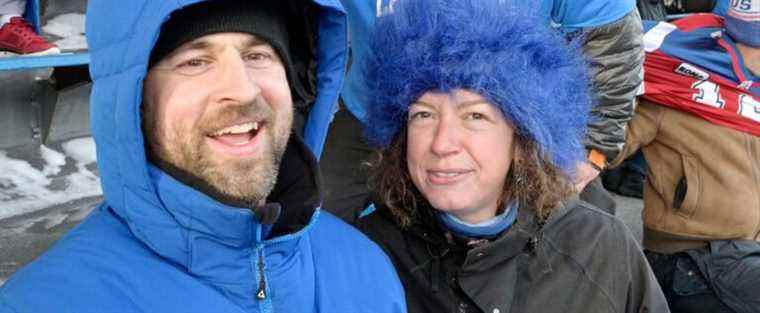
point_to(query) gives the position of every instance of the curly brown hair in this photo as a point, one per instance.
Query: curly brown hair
(532, 180)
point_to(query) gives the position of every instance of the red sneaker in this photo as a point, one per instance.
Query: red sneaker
(18, 36)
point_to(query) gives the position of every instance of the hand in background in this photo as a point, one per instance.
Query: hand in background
(585, 173)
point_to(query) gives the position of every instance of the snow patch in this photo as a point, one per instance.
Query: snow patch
(24, 189)
(54, 220)
(20, 177)
(81, 150)
(72, 43)
(69, 27)
(54, 161)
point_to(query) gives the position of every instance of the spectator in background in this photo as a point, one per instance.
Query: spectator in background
(480, 114)
(628, 178)
(698, 124)
(653, 10)
(17, 36)
(612, 43)
(677, 7)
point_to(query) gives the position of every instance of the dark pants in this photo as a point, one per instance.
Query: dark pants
(628, 178)
(722, 277)
(684, 286)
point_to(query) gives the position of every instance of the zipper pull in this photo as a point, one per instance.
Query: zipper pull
(262, 293)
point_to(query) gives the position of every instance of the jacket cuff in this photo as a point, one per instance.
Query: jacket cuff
(597, 159)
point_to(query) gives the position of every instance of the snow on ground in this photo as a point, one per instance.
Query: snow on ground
(53, 159)
(82, 150)
(25, 188)
(70, 28)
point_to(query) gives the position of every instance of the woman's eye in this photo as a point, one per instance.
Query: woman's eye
(476, 116)
(419, 115)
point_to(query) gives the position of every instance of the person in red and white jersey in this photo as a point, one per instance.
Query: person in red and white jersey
(698, 124)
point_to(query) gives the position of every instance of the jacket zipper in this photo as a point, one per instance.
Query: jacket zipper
(262, 292)
(257, 260)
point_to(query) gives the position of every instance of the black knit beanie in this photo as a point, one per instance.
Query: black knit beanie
(264, 19)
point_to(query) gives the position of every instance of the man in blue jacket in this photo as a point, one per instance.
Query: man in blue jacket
(211, 201)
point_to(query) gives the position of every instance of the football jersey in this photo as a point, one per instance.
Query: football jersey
(691, 66)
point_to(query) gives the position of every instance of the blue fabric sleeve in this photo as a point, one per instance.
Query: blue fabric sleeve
(5, 308)
(721, 7)
(361, 17)
(571, 15)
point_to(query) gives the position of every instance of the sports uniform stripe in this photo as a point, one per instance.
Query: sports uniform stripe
(700, 20)
(654, 37)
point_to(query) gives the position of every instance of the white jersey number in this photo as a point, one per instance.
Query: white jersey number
(749, 108)
(708, 93)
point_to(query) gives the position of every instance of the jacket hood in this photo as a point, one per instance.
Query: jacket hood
(160, 210)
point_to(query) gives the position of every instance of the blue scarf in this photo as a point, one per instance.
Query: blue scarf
(487, 229)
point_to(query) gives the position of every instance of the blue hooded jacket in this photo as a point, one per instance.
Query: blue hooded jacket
(157, 245)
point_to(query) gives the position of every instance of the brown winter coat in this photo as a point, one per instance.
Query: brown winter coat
(703, 180)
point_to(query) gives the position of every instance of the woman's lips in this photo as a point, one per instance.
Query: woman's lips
(447, 176)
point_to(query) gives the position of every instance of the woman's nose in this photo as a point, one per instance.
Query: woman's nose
(446, 138)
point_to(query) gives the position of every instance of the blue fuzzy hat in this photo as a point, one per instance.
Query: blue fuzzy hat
(495, 48)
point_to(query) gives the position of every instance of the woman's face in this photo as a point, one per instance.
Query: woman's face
(459, 149)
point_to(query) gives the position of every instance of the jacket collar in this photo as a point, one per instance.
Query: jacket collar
(204, 235)
(525, 236)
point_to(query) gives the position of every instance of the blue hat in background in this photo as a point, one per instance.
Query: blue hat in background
(496, 48)
(743, 22)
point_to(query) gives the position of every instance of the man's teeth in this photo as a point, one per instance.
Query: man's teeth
(237, 129)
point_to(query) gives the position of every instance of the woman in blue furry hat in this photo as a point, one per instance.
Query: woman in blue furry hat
(478, 111)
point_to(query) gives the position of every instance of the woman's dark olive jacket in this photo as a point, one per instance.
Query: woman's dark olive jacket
(579, 260)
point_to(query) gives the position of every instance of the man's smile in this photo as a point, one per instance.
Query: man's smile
(238, 140)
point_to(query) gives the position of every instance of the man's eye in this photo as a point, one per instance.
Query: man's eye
(193, 63)
(193, 66)
(259, 59)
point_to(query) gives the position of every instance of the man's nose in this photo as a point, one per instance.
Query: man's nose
(446, 140)
(236, 83)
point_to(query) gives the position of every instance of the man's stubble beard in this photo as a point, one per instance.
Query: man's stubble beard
(240, 183)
